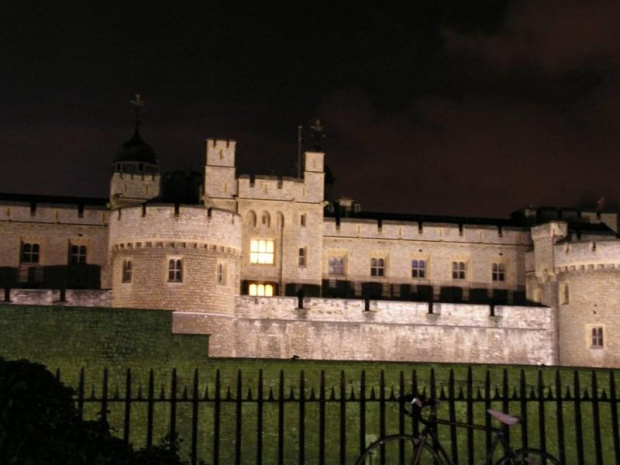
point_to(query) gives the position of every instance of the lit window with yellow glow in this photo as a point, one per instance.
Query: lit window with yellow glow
(261, 290)
(262, 252)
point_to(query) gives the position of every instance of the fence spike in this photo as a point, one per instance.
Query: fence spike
(332, 394)
(352, 396)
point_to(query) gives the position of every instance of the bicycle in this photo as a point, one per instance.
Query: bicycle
(425, 448)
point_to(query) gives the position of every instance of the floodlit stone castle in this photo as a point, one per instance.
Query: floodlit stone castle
(270, 268)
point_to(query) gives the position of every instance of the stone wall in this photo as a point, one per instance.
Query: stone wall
(439, 245)
(73, 298)
(55, 228)
(340, 329)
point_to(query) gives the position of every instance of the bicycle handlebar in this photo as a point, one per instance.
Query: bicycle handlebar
(413, 405)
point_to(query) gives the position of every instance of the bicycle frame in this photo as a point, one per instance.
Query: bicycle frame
(430, 431)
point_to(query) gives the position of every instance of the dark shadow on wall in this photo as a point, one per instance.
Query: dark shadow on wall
(51, 277)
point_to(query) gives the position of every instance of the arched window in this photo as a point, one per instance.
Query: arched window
(261, 290)
(280, 220)
(566, 295)
(251, 218)
(265, 219)
(77, 255)
(302, 220)
(221, 273)
(30, 253)
(597, 337)
(459, 270)
(127, 271)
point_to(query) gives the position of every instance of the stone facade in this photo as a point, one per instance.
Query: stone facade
(539, 288)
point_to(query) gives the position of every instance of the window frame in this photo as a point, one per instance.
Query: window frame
(127, 271)
(30, 253)
(459, 270)
(261, 290)
(303, 257)
(419, 268)
(596, 335)
(377, 267)
(498, 272)
(221, 271)
(78, 254)
(175, 270)
(335, 265)
(261, 257)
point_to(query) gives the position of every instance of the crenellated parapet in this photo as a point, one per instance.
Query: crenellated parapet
(169, 223)
(585, 256)
(423, 231)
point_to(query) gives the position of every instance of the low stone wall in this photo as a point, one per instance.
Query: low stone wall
(73, 298)
(339, 329)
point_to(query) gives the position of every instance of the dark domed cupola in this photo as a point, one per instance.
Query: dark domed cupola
(136, 156)
(135, 171)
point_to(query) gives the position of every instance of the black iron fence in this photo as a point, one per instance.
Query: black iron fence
(571, 414)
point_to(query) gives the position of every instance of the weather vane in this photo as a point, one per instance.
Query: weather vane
(318, 134)
(138, 107)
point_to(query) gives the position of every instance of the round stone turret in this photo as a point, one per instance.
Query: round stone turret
(177, 258)
(588, 279)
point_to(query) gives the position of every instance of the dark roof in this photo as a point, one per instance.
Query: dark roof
(53, 199)
(135, 149)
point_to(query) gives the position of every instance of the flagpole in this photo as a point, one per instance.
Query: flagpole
(299, 151)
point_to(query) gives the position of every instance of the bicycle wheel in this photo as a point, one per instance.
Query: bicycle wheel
(529, 457)
(398, 449)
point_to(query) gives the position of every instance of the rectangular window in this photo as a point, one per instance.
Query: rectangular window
(597, 341)
(302, 257)
(261, 290)
(498, 272)
(302, 220)
(336, 266)
(127, 271)
(77, 255)
(418, 268)
(175, 270)
(377, 267)
(459, 270)
(262, 252)
(30, 253)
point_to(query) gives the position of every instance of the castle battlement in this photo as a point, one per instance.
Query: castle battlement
(170, 223)
(53, 213)
(422, 231)
(583, 256)
(275, 188)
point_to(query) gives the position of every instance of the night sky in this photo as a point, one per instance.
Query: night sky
(472, 108)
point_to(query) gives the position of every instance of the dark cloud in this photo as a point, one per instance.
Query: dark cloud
(548, 37)
(470, 108)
